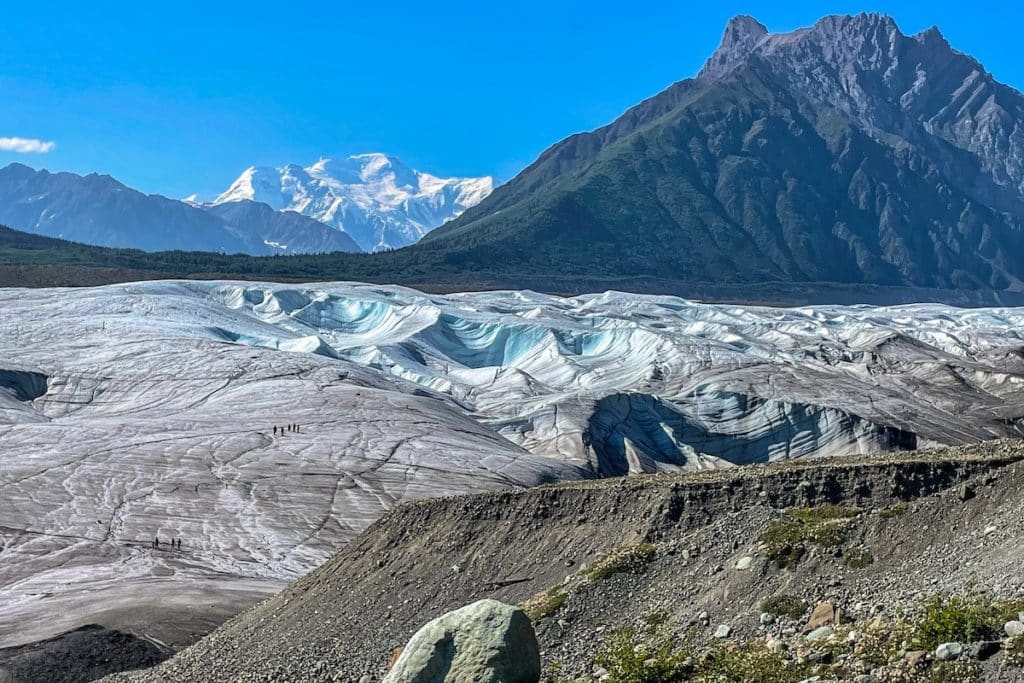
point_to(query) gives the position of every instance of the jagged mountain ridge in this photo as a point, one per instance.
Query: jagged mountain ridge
(97, 209)
(844, 152)
(375, 198)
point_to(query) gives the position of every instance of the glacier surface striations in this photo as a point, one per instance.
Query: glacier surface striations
(148, 410)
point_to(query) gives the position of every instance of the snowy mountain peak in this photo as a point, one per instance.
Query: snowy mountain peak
(375, 198)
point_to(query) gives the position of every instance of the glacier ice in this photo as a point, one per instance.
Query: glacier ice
(141, 410)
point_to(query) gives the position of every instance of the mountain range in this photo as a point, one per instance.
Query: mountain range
(374, 198)
(362, 203)
(97, 209)
(846, 153)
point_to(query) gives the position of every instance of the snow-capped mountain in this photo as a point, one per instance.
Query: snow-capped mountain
(97, 209)
(376, 199)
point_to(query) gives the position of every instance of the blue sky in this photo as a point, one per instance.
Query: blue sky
(180, 98)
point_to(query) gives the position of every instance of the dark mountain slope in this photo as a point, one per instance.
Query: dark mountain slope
(842, 152)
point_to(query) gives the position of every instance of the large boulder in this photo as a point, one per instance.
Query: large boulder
(486, 642)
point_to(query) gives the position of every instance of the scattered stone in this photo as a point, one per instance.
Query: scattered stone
(723, 631)
(819, 633)
(824, 613)
(1014, 628)
(948, 651)
(915, 658)
(487, 641)
(744, 563)
(766, 619)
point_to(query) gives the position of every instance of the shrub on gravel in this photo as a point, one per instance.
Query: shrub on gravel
(858, 558)
(893, 511)
(784, 605)
(750, 663)
(629, 559)
(787, 538)
(629, 657)
(545, 604)
(961, 618)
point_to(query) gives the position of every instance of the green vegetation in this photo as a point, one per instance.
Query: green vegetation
(784, 605)
(954, 672)
(858, 558)
(893, 511)
(749, 663)
(1015, 652)
(629, 657)
(962, 618)
(629, 559)
(787, 538)
(545, 604)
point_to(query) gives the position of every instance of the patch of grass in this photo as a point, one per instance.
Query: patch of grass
(750, 663)
(545, 604)
(629, 559)
(1009, 610)
(893, 511)
(883, 643)
(630, 658)
(784, 605)
(1014, 652)
(787, 538)
(858, 558)
(962, 618)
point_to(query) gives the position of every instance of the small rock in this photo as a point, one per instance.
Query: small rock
(824, 613)
(915, 658)
(948, 651)
(766, 619)
(365, 679)
(723, 631)
(744, 563)
(819, 633)
(1013, 628)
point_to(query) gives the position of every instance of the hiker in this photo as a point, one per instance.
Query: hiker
(179, 544)
(156, 542)
(275, 430)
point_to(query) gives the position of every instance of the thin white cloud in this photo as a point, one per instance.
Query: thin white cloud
(26, 145)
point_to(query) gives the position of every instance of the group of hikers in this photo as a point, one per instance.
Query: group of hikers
(175, 543)
(290, 428)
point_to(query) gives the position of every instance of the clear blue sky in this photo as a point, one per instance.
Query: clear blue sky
(179, 97)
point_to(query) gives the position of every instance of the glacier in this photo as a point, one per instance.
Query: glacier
(134, 411)
(374, 198)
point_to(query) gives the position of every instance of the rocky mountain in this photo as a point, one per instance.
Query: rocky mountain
(375, 198)
(99, 210)
(844, 152)
(286, 232)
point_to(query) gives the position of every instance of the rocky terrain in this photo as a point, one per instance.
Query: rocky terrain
(691, 554)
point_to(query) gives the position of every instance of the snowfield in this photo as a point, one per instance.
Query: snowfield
(134, 411)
